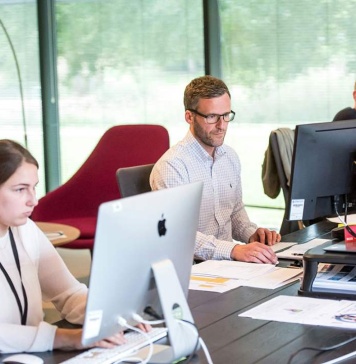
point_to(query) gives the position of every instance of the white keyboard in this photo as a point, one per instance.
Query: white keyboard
(135, 341)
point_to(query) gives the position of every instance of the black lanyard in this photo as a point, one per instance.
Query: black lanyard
(23, 311)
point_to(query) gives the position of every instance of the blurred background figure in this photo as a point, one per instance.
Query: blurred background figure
(349, 113)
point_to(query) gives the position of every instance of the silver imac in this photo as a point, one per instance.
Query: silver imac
(143, 253)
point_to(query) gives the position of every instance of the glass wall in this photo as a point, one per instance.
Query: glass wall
(287, 63)
(123, 62)
(20, 95)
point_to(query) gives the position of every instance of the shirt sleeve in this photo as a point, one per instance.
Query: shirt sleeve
(59, 286)
(15, 338)
(50, 280)
(207, 247)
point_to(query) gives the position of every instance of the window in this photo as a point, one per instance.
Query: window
(287, 63)
(122, 62)
(19, 46)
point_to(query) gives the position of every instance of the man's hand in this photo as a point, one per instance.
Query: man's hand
(265, 236)
(254, 253)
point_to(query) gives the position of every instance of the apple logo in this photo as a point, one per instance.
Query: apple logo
(162, 226)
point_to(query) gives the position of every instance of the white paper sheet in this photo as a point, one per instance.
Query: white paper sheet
(218, 275)
(306, 310)
(231, 269)
(297, 251)
(212, 284)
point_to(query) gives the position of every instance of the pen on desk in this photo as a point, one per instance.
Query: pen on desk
(298, 254)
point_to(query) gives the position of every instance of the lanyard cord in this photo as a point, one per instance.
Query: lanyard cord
(23, 312)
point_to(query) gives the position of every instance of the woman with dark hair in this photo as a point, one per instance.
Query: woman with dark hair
(31, 268)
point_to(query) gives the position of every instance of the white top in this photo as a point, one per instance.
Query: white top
(222, 215)
(45, 276)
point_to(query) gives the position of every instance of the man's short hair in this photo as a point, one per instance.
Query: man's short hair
(355, 86)
(205, 87)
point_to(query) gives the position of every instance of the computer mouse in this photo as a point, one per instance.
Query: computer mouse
(23, 359)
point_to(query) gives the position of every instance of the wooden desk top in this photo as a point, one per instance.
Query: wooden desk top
(59, 234)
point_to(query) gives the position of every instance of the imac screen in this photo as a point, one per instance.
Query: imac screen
(132, 235)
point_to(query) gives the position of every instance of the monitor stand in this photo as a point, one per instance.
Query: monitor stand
(311, 260)
(182, 338)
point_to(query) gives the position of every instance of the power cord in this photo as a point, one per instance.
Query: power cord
(123, 322)
(193, 327)
(189, 324)
(150, 311)
(141, 320)
(343, 221)
(341, 358)
(321, 349)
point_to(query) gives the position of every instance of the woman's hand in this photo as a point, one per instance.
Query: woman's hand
(71, 339)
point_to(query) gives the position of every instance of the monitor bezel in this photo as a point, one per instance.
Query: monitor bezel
(322, 168)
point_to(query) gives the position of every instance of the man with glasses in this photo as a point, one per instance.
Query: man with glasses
(202, 156)
(349, 113)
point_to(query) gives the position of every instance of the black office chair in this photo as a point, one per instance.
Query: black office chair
(134, 180)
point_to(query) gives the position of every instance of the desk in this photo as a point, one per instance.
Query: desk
(70, 233)
(233, 339)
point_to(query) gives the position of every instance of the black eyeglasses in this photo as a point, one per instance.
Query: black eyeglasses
(214, 118)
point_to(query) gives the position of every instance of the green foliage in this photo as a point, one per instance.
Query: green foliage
(258, 36)
(278, 39)
(119, 34)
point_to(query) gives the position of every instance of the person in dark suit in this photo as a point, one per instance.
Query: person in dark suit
(349, 113)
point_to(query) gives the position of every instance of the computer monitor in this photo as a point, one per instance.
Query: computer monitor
(323, 170)
(136, 241)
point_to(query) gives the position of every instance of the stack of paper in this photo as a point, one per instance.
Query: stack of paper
(306, 310)
(223, 275)
(296, 251)
(336, 278)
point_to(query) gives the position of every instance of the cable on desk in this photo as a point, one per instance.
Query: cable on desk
(321, 349)
(141, 320)
(189, 324)
(192, 326)
(124, 323)
(343, 221)
(341, 358)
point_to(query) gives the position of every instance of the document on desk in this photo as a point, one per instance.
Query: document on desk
(212, 284)
(231, 269)
(296, 251)
(306, 310)
(235, 274)
(336, 278)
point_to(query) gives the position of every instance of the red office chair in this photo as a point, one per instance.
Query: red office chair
(76, 202)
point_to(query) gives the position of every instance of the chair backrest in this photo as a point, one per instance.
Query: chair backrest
(134, 180)
(95, 181)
